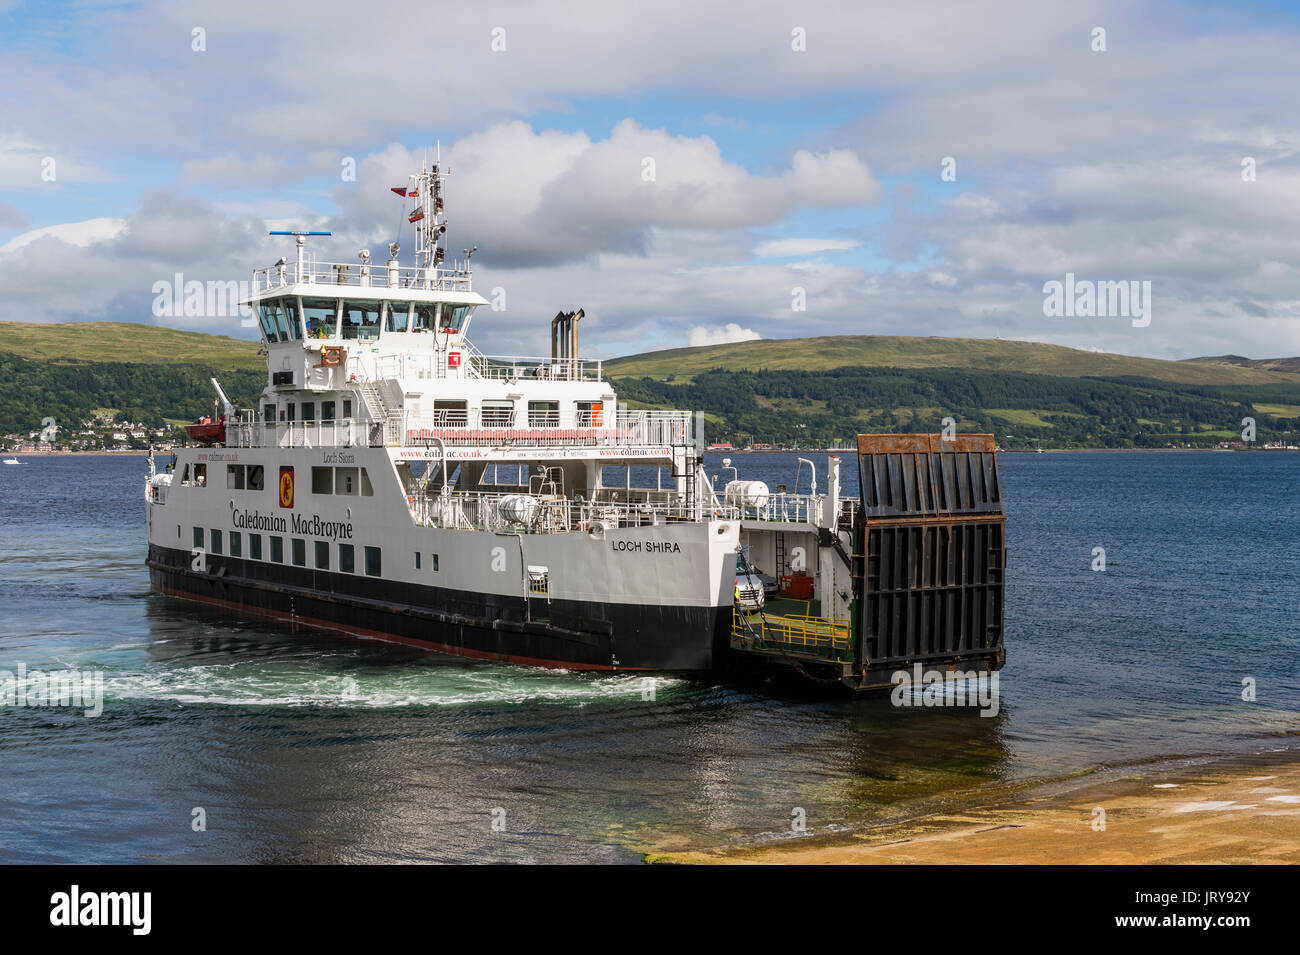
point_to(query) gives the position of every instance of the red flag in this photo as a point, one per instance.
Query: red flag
(400, 190)
(415, 216)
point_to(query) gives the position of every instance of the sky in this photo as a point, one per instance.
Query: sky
(685, 172)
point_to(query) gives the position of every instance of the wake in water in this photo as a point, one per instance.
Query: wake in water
(259, 683)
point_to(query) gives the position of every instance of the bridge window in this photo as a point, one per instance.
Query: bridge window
(292, 317)
(397, 315)
(454, 317)
(361, 320)
(327, 411)
(426, 318)
(266, 312)
(322, 317)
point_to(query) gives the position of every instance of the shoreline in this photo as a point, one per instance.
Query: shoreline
(1190, 810)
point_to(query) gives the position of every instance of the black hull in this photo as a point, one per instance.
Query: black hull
(560, 633)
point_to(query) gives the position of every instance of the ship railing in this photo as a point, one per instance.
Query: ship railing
(356, 275)
(345, 433)
(788, 508)
(804, 633)
(519, 512)
(483, 428)
(552, 429)
(517, 368)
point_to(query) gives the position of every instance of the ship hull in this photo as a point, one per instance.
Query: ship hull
(567, 634)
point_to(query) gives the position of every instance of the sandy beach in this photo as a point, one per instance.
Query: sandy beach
(1236, 811)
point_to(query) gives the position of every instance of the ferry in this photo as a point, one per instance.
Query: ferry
(394, 482)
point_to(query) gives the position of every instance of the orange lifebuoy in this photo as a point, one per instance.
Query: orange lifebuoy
(331, 355)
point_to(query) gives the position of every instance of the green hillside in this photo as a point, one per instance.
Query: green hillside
(822, 391)
(83, 342)
(143, 373)
(889, 351)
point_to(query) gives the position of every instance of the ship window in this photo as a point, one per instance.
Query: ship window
(256, 477)
(235, 477)
(591, 414)
(291, 316)
(277, 549)
(268, 414)
(347, 408)
(417, 560)
(361, 320)
(198, 537)
(435, 563)
(322, 555)
(498, 414)
(454, 317)
(266, 311)
(345, 481)
(321, 315)
(236, 544)
(327, 411)
(293, 411)
(374, 566)
(299, 552)
(543, 414)
(309, 411)
(201, 475)
(450, 414)
(426, 318)
(281, 325)
(347, 559)
(322, 480)
(255, 546)
(367, 490)
(178, 532)
(397, 315)
(216, 541)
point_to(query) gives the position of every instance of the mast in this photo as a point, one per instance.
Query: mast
(429, 216)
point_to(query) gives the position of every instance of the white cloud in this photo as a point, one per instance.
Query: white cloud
(731, 332)
(784, 248)
(79, 234)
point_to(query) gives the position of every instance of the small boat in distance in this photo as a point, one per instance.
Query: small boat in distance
(12, 461)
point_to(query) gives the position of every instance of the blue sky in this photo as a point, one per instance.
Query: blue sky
(776, 169)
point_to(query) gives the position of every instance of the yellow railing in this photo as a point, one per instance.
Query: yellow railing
(793, 630)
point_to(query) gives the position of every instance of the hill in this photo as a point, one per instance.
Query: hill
(820, 391)
(90, 342)
(145, 373)
(1289, 365)
(889, 351)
